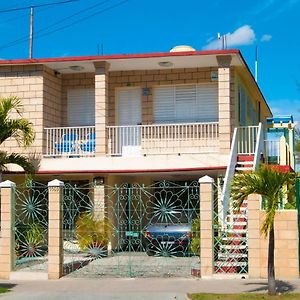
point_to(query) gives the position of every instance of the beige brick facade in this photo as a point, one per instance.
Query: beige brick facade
(151, 79)
(206, 226)
(43, 92)
(286, 242)
(7, 241)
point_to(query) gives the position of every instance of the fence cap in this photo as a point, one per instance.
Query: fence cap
(7, 184)
(206, 179)
(55, 183)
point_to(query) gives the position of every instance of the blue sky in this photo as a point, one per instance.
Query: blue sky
(140, 26)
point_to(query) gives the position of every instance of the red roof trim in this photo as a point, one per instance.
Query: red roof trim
(132, 171)
(116, 56)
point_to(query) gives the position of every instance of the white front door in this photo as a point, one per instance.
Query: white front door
(129, 116)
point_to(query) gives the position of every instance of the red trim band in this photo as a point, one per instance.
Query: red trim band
(115, 56)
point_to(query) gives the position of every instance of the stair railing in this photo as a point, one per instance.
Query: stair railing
(259, 147)
(246, 141)
(229, 175)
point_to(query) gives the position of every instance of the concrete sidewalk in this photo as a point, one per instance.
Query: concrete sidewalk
(134, 289)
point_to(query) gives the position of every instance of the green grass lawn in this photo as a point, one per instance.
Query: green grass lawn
(289, 296)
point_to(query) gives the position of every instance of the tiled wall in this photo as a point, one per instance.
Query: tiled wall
(150, 79)
(74, 81)
(25, 82)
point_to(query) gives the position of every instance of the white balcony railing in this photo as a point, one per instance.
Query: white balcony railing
(70, 141)
(163, 139)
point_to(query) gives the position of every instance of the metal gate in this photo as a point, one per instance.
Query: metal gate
(131, 230)
(230, 230)
(31, 227)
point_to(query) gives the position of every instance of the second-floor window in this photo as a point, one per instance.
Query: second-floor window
(186, 103)
(81, 107)
(242, 106)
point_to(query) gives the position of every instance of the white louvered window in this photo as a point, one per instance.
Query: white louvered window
(129, 106)
(186, 103)
(81, 107)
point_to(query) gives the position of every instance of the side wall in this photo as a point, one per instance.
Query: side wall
(253, 98)
(26, 83)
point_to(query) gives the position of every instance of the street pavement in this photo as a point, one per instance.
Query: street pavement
(134, 289)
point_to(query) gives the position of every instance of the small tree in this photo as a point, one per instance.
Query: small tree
(268, 183)
(16, 128)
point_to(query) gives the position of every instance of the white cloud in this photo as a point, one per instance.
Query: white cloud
(266, 38)
(241, 36)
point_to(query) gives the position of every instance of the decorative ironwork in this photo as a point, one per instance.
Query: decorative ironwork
(31, 226)
(230, 237)
(131, 230)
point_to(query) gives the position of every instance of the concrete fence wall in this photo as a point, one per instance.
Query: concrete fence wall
(286, 234)
(286, 242)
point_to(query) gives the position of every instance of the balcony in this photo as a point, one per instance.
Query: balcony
(137, 140)
(186, 138)
(70, 141)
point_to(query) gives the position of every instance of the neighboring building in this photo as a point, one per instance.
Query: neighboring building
(142, 117)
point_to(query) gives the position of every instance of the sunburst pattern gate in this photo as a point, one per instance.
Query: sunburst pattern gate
(131, 230)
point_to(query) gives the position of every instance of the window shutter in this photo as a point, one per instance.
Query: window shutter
(242, 106)
(207, 103)
(129, 106)
(81, 107)
(164, 104)
(186, 103)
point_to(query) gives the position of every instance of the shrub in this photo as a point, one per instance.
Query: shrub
(195, 244)
(91, 232)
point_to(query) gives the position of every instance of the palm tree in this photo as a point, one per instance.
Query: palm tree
(268, 183)
(13, 125)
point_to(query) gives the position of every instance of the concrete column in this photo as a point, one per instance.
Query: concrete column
(7, 239)
(55, 230)
(225, 109)
(99, 202)
(101, 107)
(254, 264)
(283, 159)
(206, 226)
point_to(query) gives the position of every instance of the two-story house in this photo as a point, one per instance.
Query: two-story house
(137, 117)
(109, 122)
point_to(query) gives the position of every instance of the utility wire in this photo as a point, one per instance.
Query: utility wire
(71, 16)
(25, 38)
(37, 35)
(34, 6)
(84, 18)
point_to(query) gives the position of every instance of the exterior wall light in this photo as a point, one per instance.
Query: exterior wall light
(76, 68)
(98, 180)
(165, 64)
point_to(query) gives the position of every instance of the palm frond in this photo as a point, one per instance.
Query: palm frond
(9, 105)
(19, 129)
(267, 182)
(17, 159)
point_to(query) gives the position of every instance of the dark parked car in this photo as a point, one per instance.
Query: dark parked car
(168, 239)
